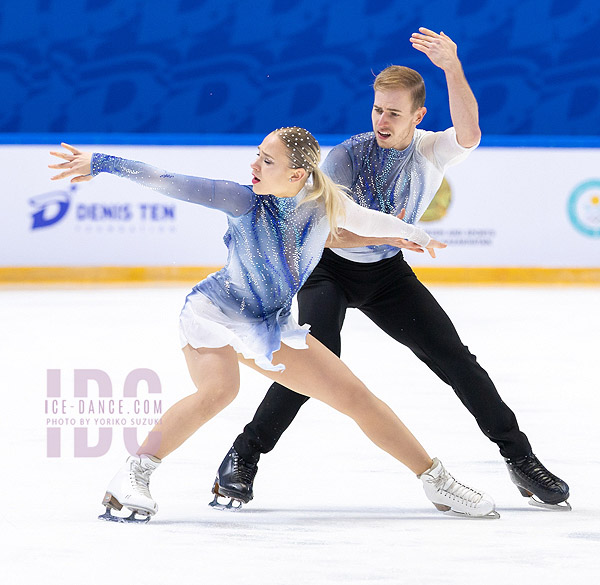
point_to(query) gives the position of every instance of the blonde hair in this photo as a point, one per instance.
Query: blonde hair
(400, 77)
(304, 153)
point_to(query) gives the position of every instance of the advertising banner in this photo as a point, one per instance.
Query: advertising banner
(518, 207)
(502, 207)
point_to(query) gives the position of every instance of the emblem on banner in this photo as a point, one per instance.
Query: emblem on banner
(50, 208)
(439, 204)
(584, 208)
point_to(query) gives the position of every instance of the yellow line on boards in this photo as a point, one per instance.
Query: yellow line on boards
(153, 275)
(92, 275)
(501, 276)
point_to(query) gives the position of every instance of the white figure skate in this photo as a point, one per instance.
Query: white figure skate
(455, 498)
(129, 489)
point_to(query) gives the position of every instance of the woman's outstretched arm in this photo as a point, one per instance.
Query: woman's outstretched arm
(227, 196)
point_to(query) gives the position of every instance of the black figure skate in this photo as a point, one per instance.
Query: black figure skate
(235, 479)
(535, 482)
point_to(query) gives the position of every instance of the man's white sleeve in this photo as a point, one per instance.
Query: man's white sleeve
(442, 148)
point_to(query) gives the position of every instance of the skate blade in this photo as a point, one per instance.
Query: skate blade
(560, 507)
(131, 519)
(448, 511)
(232, 506)
(493, 515)
(112, 503)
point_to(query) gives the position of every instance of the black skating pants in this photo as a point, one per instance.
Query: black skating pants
(390, 294)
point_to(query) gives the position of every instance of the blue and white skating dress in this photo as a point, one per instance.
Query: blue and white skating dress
(273, 243)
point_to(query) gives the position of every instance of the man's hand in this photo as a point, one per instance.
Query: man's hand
(440, 48)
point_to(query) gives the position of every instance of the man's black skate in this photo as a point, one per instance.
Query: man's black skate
(535, 482)
(235, 479)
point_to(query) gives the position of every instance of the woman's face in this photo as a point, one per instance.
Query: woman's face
(271, 172)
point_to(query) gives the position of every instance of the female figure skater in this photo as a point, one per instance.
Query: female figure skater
(276, 234)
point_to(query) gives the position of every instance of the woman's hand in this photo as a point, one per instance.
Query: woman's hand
(433, 244)
(346, 239)
(77, 163)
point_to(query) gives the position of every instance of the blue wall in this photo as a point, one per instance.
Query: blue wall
(227, 66)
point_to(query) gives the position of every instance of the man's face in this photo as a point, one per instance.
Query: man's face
(394, 120)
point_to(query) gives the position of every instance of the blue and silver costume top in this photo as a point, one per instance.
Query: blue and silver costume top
(273, 246)
(390, 180)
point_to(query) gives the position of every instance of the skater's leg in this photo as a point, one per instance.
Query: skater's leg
(321, 304)
(215, 373)
(410, 314)
(419, 322)
(273, 416)
(318, 373)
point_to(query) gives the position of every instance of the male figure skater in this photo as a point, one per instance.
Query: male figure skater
(396, 168)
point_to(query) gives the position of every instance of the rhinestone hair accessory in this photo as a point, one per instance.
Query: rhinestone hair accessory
(303, 149)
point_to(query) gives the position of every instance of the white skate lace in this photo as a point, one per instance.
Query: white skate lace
(446, 483)
(140, 479)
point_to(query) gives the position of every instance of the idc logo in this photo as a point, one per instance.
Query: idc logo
(93, 419)
(50, 208)
(584, 208)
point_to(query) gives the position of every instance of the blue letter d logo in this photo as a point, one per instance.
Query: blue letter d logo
(49, 208)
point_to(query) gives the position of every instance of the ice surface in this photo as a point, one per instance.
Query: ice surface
(329, 507)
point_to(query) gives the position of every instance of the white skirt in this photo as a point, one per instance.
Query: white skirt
(203, 324)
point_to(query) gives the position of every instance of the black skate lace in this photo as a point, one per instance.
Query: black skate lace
(242, 470)
(536, 472)
(446, 483)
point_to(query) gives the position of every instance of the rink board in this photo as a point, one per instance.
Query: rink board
(529, 214)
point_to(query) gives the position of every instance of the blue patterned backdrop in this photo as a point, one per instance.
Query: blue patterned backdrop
(227, 66)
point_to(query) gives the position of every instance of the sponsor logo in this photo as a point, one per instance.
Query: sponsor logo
(439, 204)
(50, 208)
(437, 210)
(583, 208)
